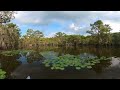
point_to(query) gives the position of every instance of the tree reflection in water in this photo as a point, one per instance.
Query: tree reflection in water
(9, 64)
(30, 57)
(35, 57)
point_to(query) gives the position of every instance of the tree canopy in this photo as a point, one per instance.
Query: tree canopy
(100, 32)
(6, 16)
(10, 36)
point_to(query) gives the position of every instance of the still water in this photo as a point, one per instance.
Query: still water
(21, 66)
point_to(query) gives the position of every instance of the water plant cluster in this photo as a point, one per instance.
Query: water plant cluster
(61, 62)
(2, 74)
(15, 52)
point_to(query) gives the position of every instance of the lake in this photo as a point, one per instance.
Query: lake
(21, 66)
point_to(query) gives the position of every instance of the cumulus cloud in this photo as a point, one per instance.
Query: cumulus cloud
(46, 17)
(73, 27)
(114, 25)
(42, 17)
(80, 19)
(76, 29)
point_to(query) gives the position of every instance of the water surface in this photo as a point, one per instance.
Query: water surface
(21, 66)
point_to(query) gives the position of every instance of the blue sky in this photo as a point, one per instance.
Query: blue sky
(69, 22)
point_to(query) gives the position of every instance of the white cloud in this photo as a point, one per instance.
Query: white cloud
(78, 19)
(114, 25)
(73, 27)
(44, 17)
(77, 29)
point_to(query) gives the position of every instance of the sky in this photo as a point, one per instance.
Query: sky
(69, 22)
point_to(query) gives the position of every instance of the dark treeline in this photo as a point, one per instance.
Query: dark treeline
(10, 38)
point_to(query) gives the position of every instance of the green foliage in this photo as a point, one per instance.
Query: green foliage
(10, 53)
(9, 36)
(73, 39)
(60, 34)
(6, 16)
(116, 38)
(34, 33)
(2, 74)
(15, 52)
(100, 33)
(31, 39)
(60, 37)
(64, 61)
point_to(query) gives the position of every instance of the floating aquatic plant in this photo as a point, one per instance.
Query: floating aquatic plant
(64, 61)
(15, 52)
(2, 74)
